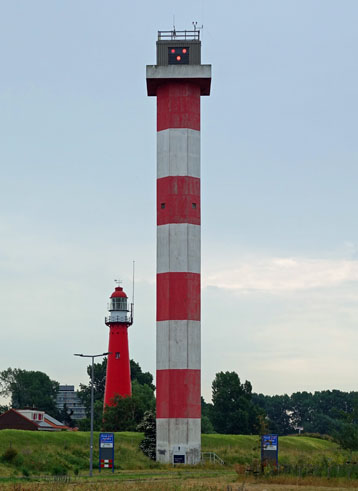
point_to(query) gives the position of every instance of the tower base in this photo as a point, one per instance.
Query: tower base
(178, 440)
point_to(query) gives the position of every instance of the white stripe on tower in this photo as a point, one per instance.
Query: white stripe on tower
(178, 153)
(178, 248)
(178, 271)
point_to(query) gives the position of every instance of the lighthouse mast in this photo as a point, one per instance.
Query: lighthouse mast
(178, 80)
(120, 317)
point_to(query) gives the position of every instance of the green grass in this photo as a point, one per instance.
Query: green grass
(65, 452)
(40, 453)
(293, 450)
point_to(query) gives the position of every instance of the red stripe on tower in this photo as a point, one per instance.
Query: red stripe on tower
(178, 83)
(178, 106)
(178, 296)
(179, 396)
(178, 200)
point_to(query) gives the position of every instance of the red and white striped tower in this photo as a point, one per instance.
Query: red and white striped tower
(118, 376)
(178, 80)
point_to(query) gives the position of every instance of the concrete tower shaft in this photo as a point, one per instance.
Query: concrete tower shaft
(178, 89)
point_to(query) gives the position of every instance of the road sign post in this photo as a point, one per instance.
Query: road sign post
(269, 450)
(106, 451)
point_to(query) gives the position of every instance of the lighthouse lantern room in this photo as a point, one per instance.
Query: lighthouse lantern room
(118, 308)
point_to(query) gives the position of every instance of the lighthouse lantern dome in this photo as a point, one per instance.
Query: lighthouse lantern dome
(119, 309)
(118, 300)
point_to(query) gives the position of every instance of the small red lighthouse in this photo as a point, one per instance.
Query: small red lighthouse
(118, 377)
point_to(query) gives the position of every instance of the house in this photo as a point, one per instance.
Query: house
(30, 419)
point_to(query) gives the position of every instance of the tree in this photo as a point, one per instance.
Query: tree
(3, 409)
(148, 427)
(29, 389)
(206, 417)
(128, 412)
(85, 424)
(303, 407)
(324, 412)
(206, 425)
(233, 410)
(143, 378)
(65, 416)
(99, 377)
(323, 424)
(278, 410)
(347, 437)
(99, 384)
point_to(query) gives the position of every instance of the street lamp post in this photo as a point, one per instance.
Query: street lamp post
(92, 383)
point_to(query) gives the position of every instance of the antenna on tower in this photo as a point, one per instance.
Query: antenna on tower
(196, 28)
(132, 304)
(174, 33)
(133, 282)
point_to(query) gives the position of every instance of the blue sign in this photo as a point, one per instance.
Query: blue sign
(106, 440)
(270, 442)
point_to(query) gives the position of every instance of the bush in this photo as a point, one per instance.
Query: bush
(321, 436)
(9, 455)
(206, 425)
(58, 470)
(148, 426)
(347, 438)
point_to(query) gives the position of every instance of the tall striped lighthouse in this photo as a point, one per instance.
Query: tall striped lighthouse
(178, 80)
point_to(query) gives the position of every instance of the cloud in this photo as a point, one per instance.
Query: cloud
(286, 324)
(279, 274)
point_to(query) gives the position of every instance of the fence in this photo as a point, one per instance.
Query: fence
(211, 457)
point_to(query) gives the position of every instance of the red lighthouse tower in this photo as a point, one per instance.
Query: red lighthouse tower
(118, 377)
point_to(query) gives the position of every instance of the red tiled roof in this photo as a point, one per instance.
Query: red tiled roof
(12, 419)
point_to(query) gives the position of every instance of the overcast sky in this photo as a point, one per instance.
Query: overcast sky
(279, 185)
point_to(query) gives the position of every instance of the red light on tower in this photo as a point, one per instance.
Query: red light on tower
(178, 55)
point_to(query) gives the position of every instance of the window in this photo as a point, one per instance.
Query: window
(118, 303)
(162, 206)
(117, 355)
(193, 205)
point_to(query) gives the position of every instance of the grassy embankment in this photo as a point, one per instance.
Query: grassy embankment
(41, 453)
(293, 450)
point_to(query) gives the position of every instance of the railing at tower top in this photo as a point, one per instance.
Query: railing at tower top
(125, 316)
(177, 35)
